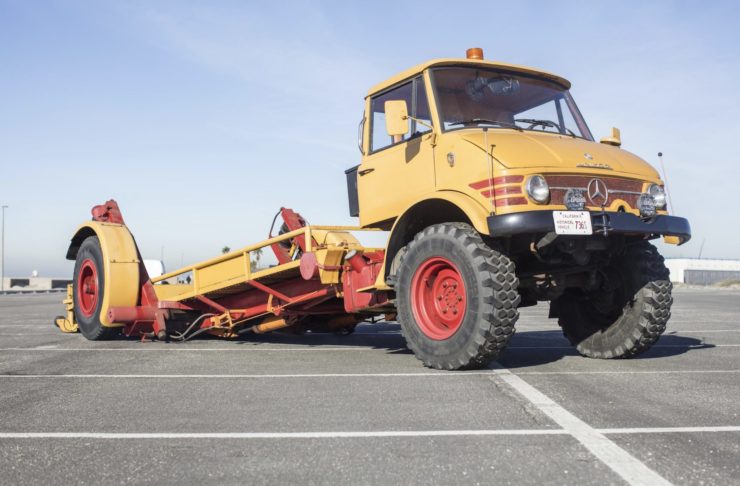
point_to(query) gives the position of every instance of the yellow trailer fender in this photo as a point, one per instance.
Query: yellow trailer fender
(120, 264)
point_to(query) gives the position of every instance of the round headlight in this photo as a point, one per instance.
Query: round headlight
(538, 190)
(658, 194)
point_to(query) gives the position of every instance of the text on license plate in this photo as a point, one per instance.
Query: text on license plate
(572, 222)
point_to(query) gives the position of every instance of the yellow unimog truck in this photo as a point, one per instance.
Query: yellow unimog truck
(495, 195)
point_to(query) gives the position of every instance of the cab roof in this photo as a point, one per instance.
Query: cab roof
(416, 70)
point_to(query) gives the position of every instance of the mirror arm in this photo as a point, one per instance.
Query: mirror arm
(428, 125)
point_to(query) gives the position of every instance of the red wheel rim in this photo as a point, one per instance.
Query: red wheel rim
(438, 298)
(87, 288)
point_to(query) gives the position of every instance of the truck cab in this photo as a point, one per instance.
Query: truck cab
(501, 155)
(509, 138)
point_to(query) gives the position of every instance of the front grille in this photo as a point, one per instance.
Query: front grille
(627, 190)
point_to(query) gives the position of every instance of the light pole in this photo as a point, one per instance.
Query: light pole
(2, 249)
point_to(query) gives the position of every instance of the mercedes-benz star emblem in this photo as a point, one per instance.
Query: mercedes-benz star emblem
(597, 192)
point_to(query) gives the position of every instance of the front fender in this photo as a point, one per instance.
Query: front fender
(120, 264)
(477, 214)
(428, 209)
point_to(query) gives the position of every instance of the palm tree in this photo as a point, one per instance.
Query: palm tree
(257, 255)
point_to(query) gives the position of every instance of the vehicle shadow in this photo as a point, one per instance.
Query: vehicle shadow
(526, 348)
(381, 335)
(532, 348)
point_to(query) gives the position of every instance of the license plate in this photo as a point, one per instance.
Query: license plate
(572, 222)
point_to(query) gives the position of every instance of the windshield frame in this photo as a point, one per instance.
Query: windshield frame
(566, 97)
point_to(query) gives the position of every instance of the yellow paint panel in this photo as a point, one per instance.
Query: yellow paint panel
(329, 258)
(219, 275)
(336, 238)
(172, 291)
(671, 240)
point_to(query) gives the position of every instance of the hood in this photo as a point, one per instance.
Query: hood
(520, 150)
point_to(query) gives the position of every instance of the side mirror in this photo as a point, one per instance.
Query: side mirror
(396, 118)
(615, 139)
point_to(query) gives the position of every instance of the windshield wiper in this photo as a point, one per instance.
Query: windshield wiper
(545, 123)
(486, 121)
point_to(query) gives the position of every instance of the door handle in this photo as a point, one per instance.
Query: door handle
(366, 171)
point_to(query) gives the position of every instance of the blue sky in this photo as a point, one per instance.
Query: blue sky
(203, 118)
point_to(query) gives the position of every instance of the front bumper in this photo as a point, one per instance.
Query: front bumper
(603, 223)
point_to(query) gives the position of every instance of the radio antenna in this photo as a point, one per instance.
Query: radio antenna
(665, 178)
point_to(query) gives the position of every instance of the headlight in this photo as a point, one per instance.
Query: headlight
(538, 190)
(658, 194)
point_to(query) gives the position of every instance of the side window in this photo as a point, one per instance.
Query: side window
(421, 109)
(379, 138)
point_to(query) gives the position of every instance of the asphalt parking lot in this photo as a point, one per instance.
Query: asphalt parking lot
(362, 410)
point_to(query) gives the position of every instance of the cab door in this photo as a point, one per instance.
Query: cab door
(395, 172)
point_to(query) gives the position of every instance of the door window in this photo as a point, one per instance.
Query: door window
(380, 138)
(415, 96)
(420, 109)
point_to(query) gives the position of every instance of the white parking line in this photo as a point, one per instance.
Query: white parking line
(625, 372)
(686, 346)
(672, 430)
(51, 332)
(446, 374)
(620, 461)
(700, 320)
(273, 435)
(185, 348)
(699, 331)
(28, 334)
(351, 434)
(236, 348)
(252, 376)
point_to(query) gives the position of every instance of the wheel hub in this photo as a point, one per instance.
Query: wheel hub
(438, 298)
(87, 285)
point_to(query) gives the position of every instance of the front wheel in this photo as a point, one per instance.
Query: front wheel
(456, 297)
(628, 315)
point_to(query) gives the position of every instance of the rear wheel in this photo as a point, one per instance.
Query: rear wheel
(456, 298)
(626, 317)
(88, 291)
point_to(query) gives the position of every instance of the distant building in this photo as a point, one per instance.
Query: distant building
(702, 271)
(35, 283)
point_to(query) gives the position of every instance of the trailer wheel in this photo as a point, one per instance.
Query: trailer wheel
(456, 297)
(88, 291)
(626, 320)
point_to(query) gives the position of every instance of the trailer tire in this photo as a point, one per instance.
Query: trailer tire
(628, 321)
(456, 297)
(88, 291)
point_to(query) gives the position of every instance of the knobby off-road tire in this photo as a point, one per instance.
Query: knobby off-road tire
(88, 291)
(456, 298)
(628, 320)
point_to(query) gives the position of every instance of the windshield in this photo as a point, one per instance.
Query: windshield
(481, 97)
